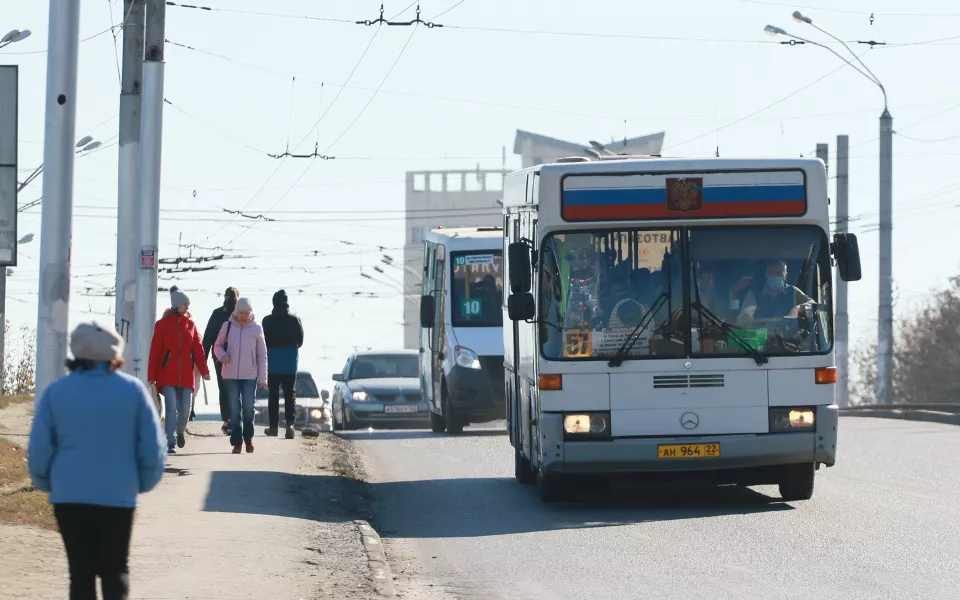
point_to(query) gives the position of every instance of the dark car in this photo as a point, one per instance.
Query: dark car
(379, 388)
(310, 403)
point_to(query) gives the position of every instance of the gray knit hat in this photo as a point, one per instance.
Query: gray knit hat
(244, 304)
(96, 341)
(177, 297)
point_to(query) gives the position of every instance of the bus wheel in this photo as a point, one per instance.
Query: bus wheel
(454, 425)
(551, 487)
(437, 425)
(796, 482)
(521, 465)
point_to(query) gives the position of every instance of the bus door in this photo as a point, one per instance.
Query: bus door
(439, 333)
(426, 333)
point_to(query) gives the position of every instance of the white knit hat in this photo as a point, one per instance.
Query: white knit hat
(244, 304)
(95, 341)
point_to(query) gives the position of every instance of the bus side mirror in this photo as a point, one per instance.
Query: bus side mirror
(846, 251)
(518, 260)
(521, 307)
(428, 311)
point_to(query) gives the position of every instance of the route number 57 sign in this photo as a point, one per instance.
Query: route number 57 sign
(577, 344)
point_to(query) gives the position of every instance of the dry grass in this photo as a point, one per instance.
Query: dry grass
(6, 401)
(28, 507)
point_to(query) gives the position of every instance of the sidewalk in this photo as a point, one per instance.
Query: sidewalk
(278, 523)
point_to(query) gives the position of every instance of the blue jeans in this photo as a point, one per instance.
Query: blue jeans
(240, 393)
(177, 403)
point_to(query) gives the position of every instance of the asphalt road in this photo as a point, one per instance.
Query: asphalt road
(883, 523)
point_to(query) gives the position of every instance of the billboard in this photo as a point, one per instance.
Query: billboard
(8, 166)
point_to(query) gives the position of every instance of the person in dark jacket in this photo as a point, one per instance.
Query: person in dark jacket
(214, 325)
(284, 336)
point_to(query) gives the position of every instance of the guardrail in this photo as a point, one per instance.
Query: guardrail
(936, 412)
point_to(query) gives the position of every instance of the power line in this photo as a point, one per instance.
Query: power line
(849, 12)
(448, 10)
(315, 126)
(760, 110)
(512, 106)
(348, 128)
(256, 13)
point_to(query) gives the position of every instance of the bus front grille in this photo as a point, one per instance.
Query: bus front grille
(661, 382)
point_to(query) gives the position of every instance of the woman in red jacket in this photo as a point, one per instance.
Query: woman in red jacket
(174, 352)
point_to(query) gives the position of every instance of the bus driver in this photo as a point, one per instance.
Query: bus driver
(776, 299)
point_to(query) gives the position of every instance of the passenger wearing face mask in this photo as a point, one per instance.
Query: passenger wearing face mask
(776, 299)
(220, 316)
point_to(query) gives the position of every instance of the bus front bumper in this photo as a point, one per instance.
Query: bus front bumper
(737, 452)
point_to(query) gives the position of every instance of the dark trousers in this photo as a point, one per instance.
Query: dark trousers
(274, 383)
(97, 541)
(224, 397)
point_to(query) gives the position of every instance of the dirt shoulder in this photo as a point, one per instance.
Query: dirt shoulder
(292, 515)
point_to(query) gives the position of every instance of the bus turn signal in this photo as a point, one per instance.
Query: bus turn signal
(551, 382)
(826, 375)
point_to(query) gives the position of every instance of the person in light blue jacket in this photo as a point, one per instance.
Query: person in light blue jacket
(95, 445)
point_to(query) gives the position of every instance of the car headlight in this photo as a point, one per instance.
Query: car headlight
(792, 419)
(467, 358)
(586, 425)
(316, 413)
(359, 396)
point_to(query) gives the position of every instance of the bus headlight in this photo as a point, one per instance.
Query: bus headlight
(792, 419)
(586, 425)
(467, 358)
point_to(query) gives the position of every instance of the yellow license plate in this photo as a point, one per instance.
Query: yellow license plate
(688, 451)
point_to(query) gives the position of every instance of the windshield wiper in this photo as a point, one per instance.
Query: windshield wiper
(645, 321)
(761, 359)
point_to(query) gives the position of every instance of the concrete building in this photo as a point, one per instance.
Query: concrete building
(442, 199)
(464, 198)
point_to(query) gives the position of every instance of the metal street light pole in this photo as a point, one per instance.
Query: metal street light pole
(885, 300)
(56, 229)
(128, 196)
(148, 230)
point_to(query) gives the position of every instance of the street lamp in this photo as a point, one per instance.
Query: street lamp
(13, 37)
(85, 144)
(885, 305)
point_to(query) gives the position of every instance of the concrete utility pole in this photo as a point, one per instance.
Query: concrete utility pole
(128, 174)
(9, 95)
(148, 230)
(842, 325)
(56, 229)
(885, 307)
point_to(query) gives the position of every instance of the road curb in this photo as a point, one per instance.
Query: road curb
(377, 566)
(928, 416)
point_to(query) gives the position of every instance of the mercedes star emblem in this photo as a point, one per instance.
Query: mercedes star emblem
(689, 420)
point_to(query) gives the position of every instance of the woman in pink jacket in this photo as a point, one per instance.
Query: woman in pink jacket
(241, 350)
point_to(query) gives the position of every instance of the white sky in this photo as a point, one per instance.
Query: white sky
(717, 68)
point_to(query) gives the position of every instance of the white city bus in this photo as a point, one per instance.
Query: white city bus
(461, 327)
(671, 317)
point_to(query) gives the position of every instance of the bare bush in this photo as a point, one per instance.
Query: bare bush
(926, 356)
(19, 362)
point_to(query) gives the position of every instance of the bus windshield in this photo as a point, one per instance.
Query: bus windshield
(476, 288)
(770, 286)
(749, 290)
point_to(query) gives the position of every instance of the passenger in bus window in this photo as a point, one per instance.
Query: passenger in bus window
(775, 299)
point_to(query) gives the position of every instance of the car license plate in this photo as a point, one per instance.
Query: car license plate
(688, 451)
(401, 408)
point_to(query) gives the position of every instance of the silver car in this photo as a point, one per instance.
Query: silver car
(379, 388)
